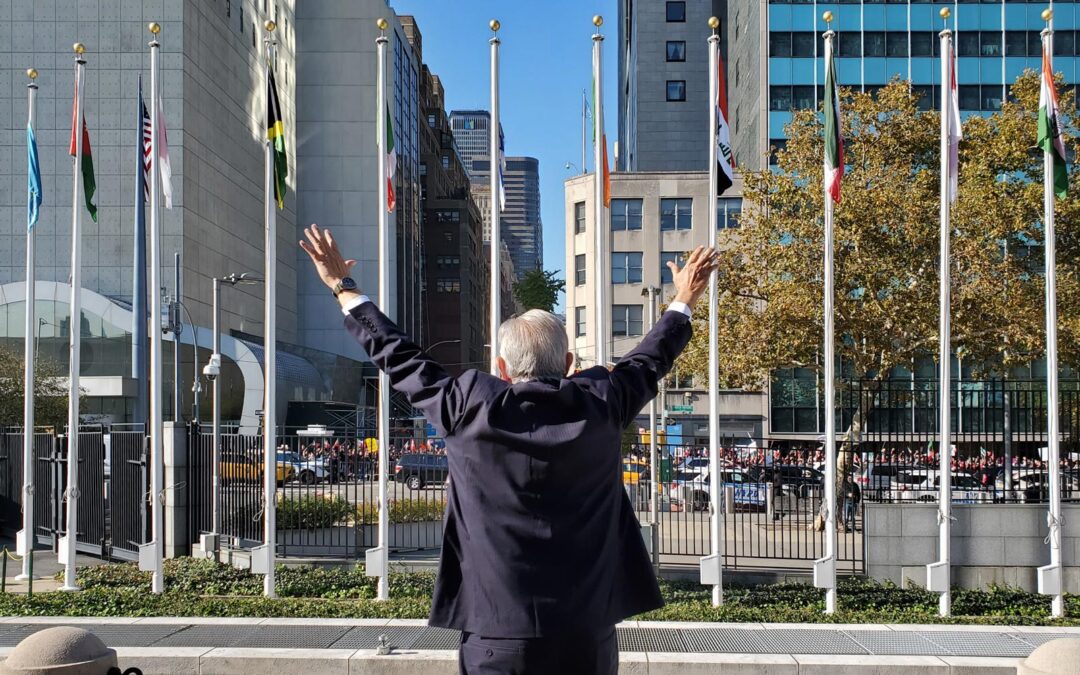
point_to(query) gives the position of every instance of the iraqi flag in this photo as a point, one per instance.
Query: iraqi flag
(1050, 128)
(725, 159)
(834, 143)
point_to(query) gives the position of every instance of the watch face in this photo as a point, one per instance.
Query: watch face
(348, 284)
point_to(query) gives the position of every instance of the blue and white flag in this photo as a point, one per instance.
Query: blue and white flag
(33, 202)
(502, 167)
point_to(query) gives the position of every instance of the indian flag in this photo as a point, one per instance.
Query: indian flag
(391, 162)
(1049, 129)
(834, 144)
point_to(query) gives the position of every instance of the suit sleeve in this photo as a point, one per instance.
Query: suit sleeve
(427, 385)
(635, 378)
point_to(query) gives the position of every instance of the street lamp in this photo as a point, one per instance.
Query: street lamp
(431, 348)
(212, 371)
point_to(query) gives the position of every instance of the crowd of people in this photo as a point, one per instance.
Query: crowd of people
(355, 459)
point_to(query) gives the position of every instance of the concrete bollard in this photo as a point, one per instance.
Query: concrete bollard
(62, 650)
(1057, 657)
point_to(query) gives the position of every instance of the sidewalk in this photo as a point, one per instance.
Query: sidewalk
(306, 646)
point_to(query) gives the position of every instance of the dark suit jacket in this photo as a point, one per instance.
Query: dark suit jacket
(540, 536)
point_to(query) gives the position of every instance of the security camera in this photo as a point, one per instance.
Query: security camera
(212, 369)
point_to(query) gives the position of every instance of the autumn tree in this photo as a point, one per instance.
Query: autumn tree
(886, 248)
(538, 289)
(50, 392)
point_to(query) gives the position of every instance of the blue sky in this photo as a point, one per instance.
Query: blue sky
(545, 62)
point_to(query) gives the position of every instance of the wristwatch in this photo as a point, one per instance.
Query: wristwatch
(346, 284)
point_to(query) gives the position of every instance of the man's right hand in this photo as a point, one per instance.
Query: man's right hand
(692, 280)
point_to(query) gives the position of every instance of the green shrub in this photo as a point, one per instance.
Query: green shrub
(402, 511)
(312, 512)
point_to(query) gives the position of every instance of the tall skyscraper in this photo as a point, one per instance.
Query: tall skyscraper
(522, 229)
(472, 134)
(664, 84)
(995, 41)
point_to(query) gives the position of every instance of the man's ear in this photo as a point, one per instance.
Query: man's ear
(569, 362)
(500, 363)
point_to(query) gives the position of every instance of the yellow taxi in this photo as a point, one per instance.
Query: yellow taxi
(242, 466)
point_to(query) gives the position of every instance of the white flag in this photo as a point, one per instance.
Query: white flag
(163, 157)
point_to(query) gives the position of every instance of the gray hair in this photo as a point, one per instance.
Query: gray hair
(534, 346)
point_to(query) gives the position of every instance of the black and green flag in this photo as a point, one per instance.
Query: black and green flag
(275, 132)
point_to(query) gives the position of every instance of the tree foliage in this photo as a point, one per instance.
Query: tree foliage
(50, 392)
(538, 289)
(887, 245)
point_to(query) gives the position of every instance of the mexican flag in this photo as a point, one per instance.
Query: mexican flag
(1049, 128)
(834, 144)
(391, 162)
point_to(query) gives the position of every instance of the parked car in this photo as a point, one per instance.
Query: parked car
(800, 481)
(698, 465)
(417, 470)
(876, 480)
(1032, 486)
(692, 489)
(240, 465)
(307, 471)
(924, 485)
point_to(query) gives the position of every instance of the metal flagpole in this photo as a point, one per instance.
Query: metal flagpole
(156, 549)
(139, 338)
(602, 259)
(24, 541)
(377, 559)
(1054, 520)
(825, 568)
(270, 346)
(215, 451)
(938, 574)
(584, 136)
(174, 306)
(494, 165)
(67, 542)
(653, 293)
(716, 529)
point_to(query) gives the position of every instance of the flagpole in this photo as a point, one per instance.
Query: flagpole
(938, 574)
(378, 559)
(270, 345)
(67, 542)
(25, 539)
(602, 259)
(157, 418)
(1052, 413)
(716, 516)
(495, 165)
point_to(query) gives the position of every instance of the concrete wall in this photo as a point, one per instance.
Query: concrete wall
(991, 544)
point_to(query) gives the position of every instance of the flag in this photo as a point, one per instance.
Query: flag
(163, 156)
(1049, 128)
(598, 132)
(725, 160)
(956, 133)
(147, 146)
(275, 133)
(502, 167)
(89, 185)
(391, 162)
(834, 144)
(33, 202)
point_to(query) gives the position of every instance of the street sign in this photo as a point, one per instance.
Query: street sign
(681, 409)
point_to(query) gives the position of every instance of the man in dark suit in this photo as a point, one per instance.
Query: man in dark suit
(542, 554)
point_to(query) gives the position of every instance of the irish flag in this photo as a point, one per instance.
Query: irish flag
(1049, 129)
(391, 162)
(834, 144)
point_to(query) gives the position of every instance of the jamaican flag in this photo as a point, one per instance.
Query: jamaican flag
(275, 132)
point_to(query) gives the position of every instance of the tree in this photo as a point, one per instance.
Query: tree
(50, 392)
(886, 249)
(538, 289)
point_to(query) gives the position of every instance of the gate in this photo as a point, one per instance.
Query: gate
(128, 488)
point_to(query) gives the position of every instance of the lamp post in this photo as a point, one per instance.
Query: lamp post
(212, 370)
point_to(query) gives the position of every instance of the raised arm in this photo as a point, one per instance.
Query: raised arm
(635, 377)
(411, 371)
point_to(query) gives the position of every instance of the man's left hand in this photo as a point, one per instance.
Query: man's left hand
(321, 247)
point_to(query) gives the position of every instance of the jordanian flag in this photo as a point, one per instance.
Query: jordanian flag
(724, 157)
(89, 184)
(1050, 129)
(275, 133)
(834, 144)
(391, 161)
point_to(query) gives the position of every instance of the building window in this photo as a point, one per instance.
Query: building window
(579, 270)
(445, 261)
(625, 214)
(874, 43)
(728, 210)
(675, 214)
(431, 121)
(446, 161)
(676, 12)
(676, 50)
(579, 217)
(626, 267)
(780, 98)
(665, 271)
(449, 216)
(579, 322)
(448, 285)
(626, 320)
(676, 90)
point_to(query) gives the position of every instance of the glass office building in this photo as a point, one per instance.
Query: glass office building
(877, 41)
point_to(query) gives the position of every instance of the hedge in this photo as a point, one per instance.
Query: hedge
(314, 512)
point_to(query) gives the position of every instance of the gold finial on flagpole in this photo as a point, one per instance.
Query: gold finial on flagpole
(79, 48)
(494, 25)
(945, 13)
(714, 23)
(1047, 14)
(270, 26)
(155, 28)
(32, 73)
(383, 24)
(828, 18)
(598, 21)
